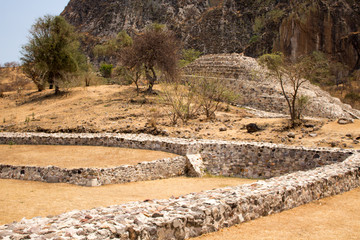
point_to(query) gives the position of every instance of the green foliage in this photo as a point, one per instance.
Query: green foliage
(254, 39)
(275, 15)
(113, 47)
(188, 56)
(259, 24)
(106, 70)
(157, 27)
(52, 51)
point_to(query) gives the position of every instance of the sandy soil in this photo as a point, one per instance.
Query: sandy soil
(334, 218)
(20, 199)
(76, 156)
(119, 109)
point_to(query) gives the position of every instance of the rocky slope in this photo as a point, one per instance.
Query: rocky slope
(258, 90)
(227, 26)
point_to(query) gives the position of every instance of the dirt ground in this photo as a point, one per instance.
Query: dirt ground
(333, 218)
(118, 109)
(20, 199)
(76, 156)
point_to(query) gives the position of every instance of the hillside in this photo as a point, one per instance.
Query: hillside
(119, 109)
(253, 27)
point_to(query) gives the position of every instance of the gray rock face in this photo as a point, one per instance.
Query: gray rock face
(253, 27)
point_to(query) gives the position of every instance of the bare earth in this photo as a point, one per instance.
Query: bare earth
(119, 109)
(20, 199)
(333, 218)
(76, 156)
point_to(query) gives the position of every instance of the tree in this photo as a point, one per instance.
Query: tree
(52, 51)
(112, 48)
(291, 73)
(155, 49)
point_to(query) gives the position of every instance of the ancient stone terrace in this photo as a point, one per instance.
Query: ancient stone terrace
(258, 90)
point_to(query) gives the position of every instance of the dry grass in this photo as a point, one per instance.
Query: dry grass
(333, 218)
(119, 109)
(76, 156)
(20, 199)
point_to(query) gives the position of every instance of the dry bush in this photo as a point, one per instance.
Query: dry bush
(181, 100)
(210, 92)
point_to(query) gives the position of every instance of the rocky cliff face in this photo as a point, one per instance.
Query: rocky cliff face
(254, 27)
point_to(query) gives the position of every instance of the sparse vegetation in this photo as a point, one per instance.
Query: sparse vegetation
(210, 93)
(182, 101)
(291, 74)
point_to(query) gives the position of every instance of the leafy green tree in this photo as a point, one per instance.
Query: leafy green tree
(155, 49)
(53, 50)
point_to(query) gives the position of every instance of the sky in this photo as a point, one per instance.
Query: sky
(16, 19)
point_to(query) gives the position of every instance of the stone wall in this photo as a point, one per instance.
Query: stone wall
(263, 160)
(196, 213)
(241, 159)
(159, 169)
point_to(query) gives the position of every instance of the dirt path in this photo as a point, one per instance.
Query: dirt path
(76, 156)
(330, 218)
(20, 199)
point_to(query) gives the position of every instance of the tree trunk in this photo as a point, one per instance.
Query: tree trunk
(57, 90)
(152, 79)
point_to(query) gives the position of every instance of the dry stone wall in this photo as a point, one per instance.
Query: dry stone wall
(193, 214)
(240, 159)
(159, 169)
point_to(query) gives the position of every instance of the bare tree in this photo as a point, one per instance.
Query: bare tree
(289, 73)
(155, 49)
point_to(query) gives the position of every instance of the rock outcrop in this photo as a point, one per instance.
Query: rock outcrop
(253, 27)
(258, 90)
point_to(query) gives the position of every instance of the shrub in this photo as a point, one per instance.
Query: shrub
(188, 56)
(106, 70)
(211, 92)
(182, 102)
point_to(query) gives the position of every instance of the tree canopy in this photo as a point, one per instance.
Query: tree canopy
(155, 49)
(52, 51)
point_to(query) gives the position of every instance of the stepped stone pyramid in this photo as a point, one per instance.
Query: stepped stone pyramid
(259, 90)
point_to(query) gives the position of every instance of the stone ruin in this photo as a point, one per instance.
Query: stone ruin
(258, 90)
(292, 176)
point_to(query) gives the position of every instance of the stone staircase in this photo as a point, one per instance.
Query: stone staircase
(259, 90)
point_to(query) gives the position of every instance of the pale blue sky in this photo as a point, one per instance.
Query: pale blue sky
(16, 18)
